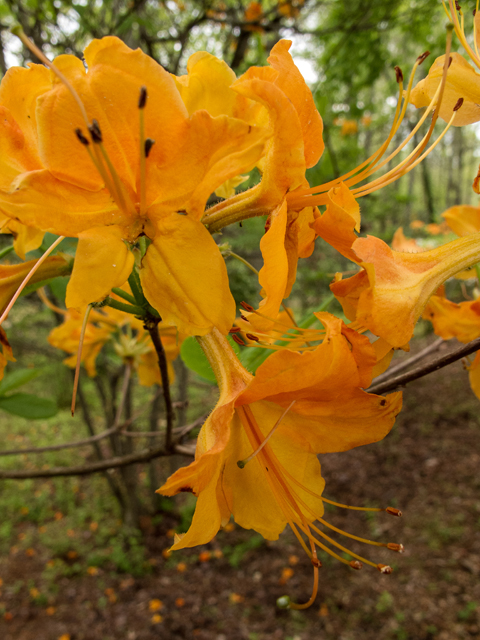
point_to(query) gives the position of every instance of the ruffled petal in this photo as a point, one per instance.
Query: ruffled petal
(102, 261)
(37, 199)
(341, 219)
(184, 277)
(462, 82)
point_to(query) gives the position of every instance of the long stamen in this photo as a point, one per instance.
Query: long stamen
(98, 163)
(461, 33)
(79, 357)
(241, 463)
(360, 192)
(26, 280)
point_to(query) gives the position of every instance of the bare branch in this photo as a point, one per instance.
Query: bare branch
(405, 364)
(95, 467)
(430, 367)
(151, 326)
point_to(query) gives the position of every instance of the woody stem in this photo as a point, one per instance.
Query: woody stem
(424, 370)
(151, 325)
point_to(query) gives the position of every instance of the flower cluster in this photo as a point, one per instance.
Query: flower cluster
(143, 168)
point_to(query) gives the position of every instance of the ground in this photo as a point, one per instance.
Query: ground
(427, 466)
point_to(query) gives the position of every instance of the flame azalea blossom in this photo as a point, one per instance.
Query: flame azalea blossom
(389, 295)
(127, 335)
(463, 219)
(278, 98)
(11, 276)
(461, 321)
(120, 185)
(256, 454)
(462, 82)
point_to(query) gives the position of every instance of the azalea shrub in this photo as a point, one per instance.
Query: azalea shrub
(133, 173)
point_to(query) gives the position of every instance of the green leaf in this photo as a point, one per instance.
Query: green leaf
(194, 358)
(28, 406)
(16, 379)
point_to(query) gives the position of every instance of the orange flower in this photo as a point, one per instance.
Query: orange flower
(116, 187)
(288, 110)
(389, 294)
(296, 406)
(461, 321)
(462, 82)
(128, 336)
(463, 219)
(11, 276)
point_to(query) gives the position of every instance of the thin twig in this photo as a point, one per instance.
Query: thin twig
(151, 326)
(420, 372)
(405, 364)
(179, 431)
(95, 467)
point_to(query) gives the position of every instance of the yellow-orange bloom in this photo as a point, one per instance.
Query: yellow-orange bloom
(117, 187)
(296, 406)
(127, 335)
(461, 321)
(278, 98)
(463, 219)
(12, 276)
(389, 295)
(462, 82)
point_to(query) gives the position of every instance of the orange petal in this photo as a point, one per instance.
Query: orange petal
(184, 277)
(462, 82)
(102, 261)
(463, 219)
(341, 219)
(11, 276)
(400, 284)
(474, 375)
(207, 85)
(37, 199)
(273, 276)
(450, 320)
(29, 83)
(292, 83)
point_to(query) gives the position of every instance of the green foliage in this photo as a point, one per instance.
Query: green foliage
(28, 406)
(25, 405)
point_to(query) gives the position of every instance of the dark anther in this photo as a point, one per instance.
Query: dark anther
(81, 137)
(423, 57)
(237, 339)
(394, 512)
(457, 6)
(450, 60)
(250, 336)
(399, 73)
(246, 306)
(458, 104)
(474, 12)
(142, 99)
(149, 142)
(234, 330)
(95, 132)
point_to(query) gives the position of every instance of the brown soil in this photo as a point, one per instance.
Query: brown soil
(428, 466)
